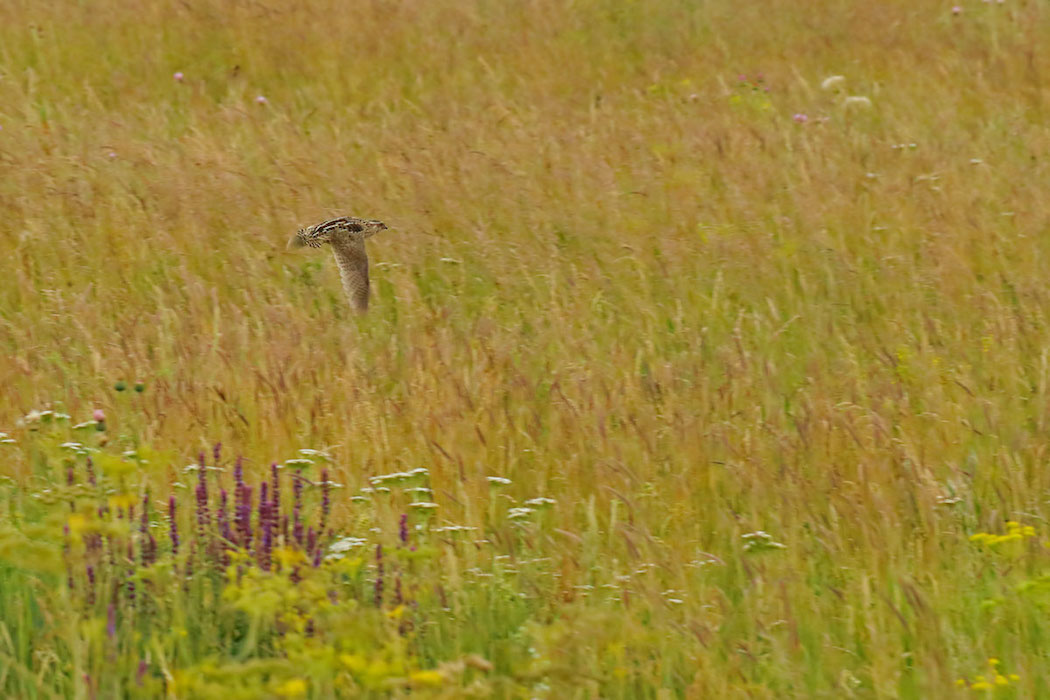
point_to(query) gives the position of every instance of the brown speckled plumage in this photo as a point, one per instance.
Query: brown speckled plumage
(347, 237)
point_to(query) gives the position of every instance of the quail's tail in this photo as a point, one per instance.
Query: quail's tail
(353, 271)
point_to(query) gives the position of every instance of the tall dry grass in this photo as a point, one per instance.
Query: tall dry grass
(617, 275)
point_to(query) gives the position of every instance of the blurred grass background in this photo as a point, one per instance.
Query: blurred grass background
(620, 272)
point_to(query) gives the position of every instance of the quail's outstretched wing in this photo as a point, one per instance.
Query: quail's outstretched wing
(353, 270)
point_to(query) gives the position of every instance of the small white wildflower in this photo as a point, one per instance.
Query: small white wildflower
(455, 528)
(760, 540)
(299, 463)
(833, 82)
(347, 543)
(420, 489)
(498, 480)
(423, 505)
(517, 513)
(857, 101)
(419, 471)
(307, 452)
(71, 446)
(395, 476)
(976, 161)
(359, 499)
(540, 501)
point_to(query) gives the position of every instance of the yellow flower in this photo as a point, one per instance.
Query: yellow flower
(1000, 679)
(288, 557)
(431, 677)
(294, 688)
(122, 500)
(77, 524)
(354, 662)
(981, 685)
(993, 661)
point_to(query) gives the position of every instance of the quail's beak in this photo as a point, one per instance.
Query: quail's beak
(295, 242)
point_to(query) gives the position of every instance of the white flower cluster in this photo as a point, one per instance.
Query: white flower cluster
(760, 540)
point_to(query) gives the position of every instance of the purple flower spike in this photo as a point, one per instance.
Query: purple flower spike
(402, 529)
(265, 529)
(216, 452)
(275, 484)
(326, 499)
(264, 505)
(224, 522)
(297, 523)
(90, 472)
(111, 621)
(174, 526)
(149, 550)
(244, 517)
(379, 576)
(141, 672)
(144, 519)
(265, 546)
(203, 516)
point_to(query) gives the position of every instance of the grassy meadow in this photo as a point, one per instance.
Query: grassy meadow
(692, 370)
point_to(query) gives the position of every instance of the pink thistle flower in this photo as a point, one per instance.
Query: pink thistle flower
(800, 118)
(260, 100)
(99, 415)
(956, 10)
(178, 76)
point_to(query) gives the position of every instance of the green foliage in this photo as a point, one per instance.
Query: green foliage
(754, 293)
